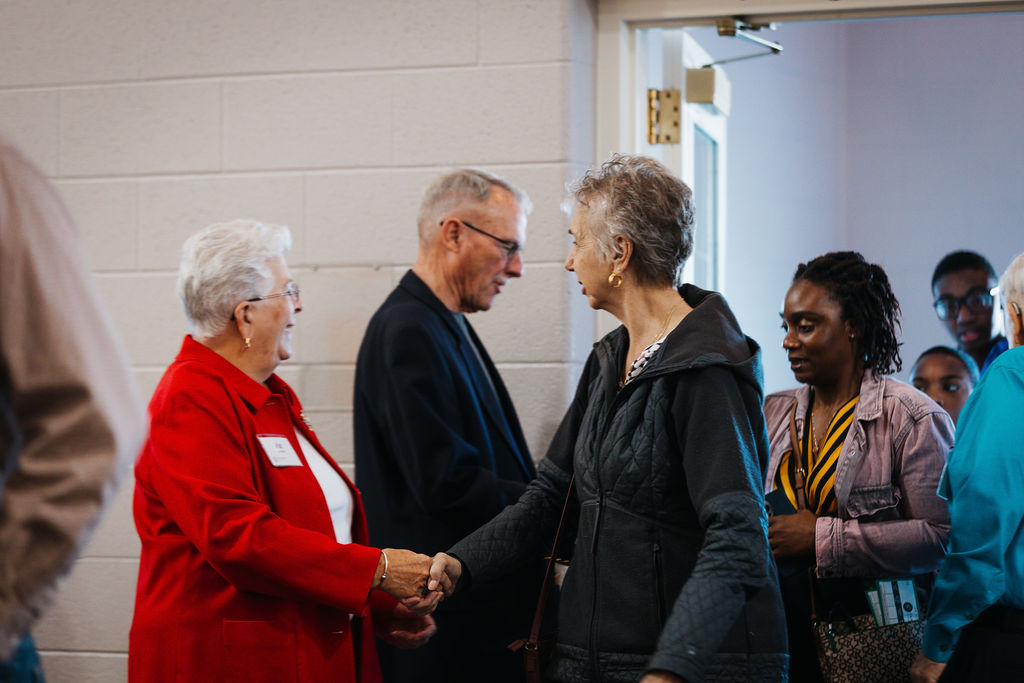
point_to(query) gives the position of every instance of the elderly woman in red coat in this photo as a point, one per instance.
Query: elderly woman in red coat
(255, 560)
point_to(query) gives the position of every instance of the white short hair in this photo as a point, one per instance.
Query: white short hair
(224, 264)
(1011, 284)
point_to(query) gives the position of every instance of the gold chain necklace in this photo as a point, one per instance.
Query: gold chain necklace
(814, 432)
(829, 416)
(661, 334)
(668, 319)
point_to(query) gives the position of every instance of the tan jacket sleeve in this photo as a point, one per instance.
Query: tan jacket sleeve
(71, 421)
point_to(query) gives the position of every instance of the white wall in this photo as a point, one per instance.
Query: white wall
(156, 118)
(902, 139)
(935, 151)
(785, 185)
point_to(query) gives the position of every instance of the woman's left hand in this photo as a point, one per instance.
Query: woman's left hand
(792, 535)
(408, 630)
(661, 677)
(445, 572)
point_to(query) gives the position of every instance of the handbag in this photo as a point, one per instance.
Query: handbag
(854, 649)
(537, 649)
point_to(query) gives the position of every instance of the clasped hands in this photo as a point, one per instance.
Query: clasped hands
(420, 583)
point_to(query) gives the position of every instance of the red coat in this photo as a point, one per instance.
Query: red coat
(241, 578)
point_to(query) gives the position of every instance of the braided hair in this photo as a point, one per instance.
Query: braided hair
(866, 301)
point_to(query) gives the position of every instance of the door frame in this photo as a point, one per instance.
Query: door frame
(616, 45)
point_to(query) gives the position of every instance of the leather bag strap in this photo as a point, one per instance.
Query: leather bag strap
(538, 615)
(800, 480)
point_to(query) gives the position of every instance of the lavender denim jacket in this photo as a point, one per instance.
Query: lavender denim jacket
(891, 521)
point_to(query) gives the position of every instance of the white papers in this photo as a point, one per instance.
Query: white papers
(893, 601)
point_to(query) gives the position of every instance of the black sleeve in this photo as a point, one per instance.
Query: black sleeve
(718, 433)
(525, 531)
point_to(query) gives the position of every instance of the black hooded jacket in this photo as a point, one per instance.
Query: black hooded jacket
(671, 567)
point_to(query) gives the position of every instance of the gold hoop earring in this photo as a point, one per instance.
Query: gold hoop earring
(248, 343)
(615, 280)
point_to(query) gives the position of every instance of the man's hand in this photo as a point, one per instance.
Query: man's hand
(407, 573)
(408, 630)
(925, 670)
(445, 572)
(792, 535)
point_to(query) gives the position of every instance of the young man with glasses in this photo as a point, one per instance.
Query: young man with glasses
(963, 284)
(438, 447)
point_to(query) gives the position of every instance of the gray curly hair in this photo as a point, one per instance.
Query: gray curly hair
(638, 198)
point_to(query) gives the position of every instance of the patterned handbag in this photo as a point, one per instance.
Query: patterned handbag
(857, 650)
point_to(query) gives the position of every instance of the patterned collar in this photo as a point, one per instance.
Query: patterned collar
(641, 362)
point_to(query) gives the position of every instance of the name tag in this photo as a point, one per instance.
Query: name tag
(279, 451)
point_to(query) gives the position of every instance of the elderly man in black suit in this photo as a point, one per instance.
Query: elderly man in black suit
(438, 447)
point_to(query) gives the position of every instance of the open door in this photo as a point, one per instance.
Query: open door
(698, 155)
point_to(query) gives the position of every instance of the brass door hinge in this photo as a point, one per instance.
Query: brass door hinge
(663, 117)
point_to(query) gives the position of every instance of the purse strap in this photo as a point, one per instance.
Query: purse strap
(800, 485)
(538, 614)
(800, 478)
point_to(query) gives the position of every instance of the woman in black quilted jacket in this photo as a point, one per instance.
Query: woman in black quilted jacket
(671, 577)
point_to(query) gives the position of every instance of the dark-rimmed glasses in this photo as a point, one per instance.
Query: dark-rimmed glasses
(292, 291)
(976, 301)
(511, 247)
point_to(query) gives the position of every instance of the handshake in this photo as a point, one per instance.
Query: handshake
(416, 579)
(420, 583)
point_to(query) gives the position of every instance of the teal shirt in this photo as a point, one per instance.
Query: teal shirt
(984, 484)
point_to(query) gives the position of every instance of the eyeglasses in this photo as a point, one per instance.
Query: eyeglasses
(976, 301)
(511, 247)
(293, 292)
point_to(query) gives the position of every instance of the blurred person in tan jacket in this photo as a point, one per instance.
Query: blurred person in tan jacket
(71, 421)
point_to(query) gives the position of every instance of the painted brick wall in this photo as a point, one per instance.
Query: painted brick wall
(330, 116)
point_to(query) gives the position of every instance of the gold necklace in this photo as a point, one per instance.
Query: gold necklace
(661, 333)
(814, 432)
(668, 319)
(829, 415)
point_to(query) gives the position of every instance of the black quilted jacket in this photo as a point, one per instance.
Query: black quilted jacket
(671, 568)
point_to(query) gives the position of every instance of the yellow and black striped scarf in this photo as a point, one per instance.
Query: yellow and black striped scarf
(821, 474)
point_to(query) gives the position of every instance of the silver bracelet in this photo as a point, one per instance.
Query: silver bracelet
(384, 574)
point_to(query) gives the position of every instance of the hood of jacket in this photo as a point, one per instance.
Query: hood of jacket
(708, 335)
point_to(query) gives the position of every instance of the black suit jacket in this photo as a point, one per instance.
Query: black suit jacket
(436, 456)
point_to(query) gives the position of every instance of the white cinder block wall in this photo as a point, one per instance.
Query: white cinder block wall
(330, 116)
